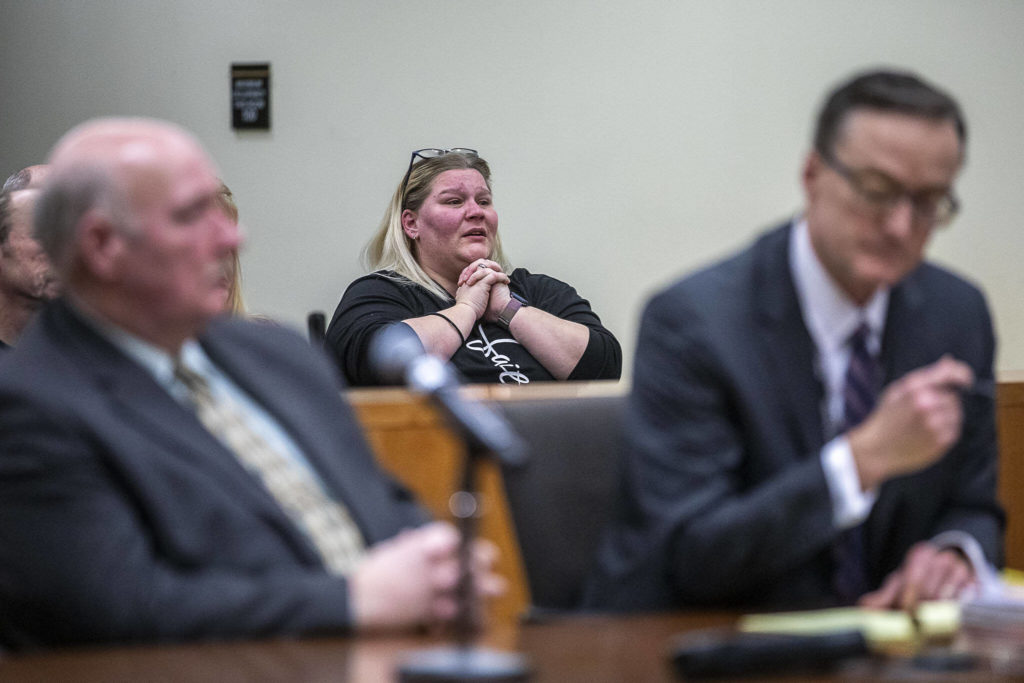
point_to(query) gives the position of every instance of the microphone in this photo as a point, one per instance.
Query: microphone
(397, 355)
(317, 326)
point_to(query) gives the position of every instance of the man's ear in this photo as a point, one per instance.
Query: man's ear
(813, 167)
(101, 245)
(410, 225)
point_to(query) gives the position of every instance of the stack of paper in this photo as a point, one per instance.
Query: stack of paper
(996, 608)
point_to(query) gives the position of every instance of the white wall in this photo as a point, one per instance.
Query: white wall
(630, 141)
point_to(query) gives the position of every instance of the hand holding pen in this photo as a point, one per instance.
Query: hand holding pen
(917, 419)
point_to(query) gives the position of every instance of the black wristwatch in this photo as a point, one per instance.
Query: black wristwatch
(511, 308)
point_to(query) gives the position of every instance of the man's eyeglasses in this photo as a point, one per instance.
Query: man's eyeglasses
(936, 207)
(431, 153)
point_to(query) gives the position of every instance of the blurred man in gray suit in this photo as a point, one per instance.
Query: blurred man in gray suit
(168, 473)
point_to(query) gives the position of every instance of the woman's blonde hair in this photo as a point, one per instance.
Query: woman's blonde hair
(235, 304)
(391, 249)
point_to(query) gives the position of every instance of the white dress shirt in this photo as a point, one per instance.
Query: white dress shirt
(832, 318)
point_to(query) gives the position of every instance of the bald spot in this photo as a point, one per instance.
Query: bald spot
(131, 152)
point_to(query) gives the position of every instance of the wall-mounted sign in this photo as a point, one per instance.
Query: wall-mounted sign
(250, 96)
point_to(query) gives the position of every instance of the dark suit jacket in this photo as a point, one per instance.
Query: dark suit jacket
(123, 519)
(724, 497)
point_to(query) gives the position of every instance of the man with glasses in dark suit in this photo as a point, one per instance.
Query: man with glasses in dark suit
(812, 420)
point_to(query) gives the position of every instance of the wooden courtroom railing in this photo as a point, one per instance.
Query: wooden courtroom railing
(412, 441)
(1010, 422)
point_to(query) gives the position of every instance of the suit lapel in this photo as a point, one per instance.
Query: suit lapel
(906, 345)
(275, 394)
(149, 410)
(907, 341)
(786, 346)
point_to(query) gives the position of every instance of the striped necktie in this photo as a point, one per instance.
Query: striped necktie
(863, 379)
(326, 522)
(861, 387)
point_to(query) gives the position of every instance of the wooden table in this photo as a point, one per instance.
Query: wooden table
(592, 649)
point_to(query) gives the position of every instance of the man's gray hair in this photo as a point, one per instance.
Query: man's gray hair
(66, 198)
(5, 214)
(18, 181)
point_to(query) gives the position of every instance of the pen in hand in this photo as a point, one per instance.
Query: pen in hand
(981, 388)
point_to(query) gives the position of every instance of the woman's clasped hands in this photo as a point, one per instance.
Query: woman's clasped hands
(483, 286)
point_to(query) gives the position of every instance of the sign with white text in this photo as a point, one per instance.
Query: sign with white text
(250, 96)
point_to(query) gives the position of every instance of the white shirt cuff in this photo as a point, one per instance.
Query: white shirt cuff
(987, 576)
(850, 505)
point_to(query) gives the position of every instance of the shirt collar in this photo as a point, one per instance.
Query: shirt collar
(152, 358)
(830, 315)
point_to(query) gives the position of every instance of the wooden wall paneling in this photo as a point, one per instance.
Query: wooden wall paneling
(1010, 421)
(412, 442)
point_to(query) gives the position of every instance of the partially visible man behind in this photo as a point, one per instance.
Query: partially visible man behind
(769, 467)
(26, 278)
(165, 475)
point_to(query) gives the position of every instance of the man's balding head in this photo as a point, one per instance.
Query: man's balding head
(98, 166)
(130, 217)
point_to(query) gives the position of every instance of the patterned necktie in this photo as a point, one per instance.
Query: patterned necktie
(863, 379)
(860, 390)
(326, 522)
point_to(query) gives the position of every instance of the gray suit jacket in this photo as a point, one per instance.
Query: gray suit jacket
(724, 500)
(123, 519)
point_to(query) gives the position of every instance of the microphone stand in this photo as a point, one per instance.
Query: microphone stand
(464, 661)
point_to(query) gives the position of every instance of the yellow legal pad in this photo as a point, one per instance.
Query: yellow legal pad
(880, 627)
